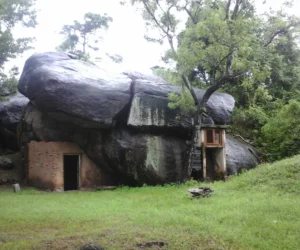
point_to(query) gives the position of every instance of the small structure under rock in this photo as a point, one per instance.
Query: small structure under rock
(208, 157)
(62, 166)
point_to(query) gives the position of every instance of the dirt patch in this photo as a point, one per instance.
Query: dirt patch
(67, 243)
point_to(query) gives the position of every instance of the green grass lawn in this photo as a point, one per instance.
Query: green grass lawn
(259, 209)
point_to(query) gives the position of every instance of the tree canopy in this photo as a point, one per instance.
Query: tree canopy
(12, 13)
(227, 45)
(224, 42)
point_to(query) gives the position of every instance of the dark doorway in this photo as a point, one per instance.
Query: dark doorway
(210, 163)
(71, 170)
(214, 163)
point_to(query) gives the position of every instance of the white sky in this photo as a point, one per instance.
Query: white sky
(125, 35)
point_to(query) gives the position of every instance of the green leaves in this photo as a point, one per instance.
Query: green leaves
(82, 37)
(184, 101)
(13, 12)
(17, 11)
(281, 133)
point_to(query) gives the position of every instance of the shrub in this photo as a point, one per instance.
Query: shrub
(281, 134)
(248, 122)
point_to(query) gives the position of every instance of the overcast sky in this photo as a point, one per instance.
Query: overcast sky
(124, 36)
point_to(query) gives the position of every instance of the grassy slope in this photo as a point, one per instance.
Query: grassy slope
(256, 210)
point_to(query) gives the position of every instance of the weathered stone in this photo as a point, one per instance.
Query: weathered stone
(219, 106)
(144, 158)
(207, 121)
(239, 155)
(10, 115)
(159, 87)
(92, 246)
(200, 192)
(6, 164)
(134, 75)
(39, 126)
(150, 109)
(74, 91)
(11, 110)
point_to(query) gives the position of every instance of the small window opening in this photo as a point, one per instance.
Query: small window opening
(209, 136)
(213, 137)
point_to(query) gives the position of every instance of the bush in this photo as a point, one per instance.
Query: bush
(248, 122)
(280, 134)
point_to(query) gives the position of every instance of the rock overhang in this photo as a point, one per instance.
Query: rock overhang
(84, 94)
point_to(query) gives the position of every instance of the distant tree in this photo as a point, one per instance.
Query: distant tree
(13, 12)
(115, 58)
(82, 37)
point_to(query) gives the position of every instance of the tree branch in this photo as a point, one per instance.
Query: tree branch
(153, 17)
(166, 32)
(190, 14)
(227, 9)
(236, 9)
(281, 31)
(217, 84)
(190, 88)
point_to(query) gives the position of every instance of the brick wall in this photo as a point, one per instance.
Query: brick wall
(45, 166)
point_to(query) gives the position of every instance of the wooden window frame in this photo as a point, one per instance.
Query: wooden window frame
(220, 143)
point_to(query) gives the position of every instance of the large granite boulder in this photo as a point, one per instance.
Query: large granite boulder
(219, 106)
(121, 121)
(11, 110)
(81, 93)
(38, 126)
(73, 90)
(145, 158)
(239, 155)
(150, 109)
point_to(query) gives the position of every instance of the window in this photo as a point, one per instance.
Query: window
(213, 137)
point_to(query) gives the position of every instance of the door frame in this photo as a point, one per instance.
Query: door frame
(78, 170)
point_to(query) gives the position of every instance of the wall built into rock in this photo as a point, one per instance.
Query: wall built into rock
(46, 167)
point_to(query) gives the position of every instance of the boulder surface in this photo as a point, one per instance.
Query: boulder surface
(73, 90)
(11, 110)
(10, 114)
(78, 92)
(121, 121)
(239, 155)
